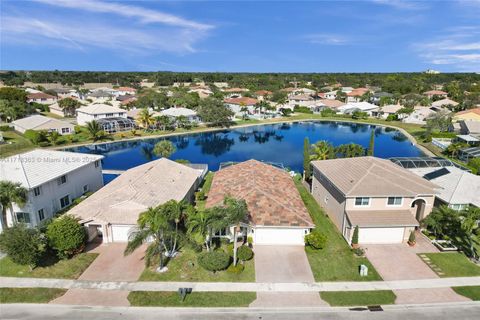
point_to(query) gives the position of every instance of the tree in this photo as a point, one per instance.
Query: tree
(454, 148)
(146, 118)
(174, 211)
(439, 121)
(183, 122)
(66, 236)
(236, 212)
(215, 113)
(355, 236)
(23, 245)
(95, 130)
(474, 164)
(164, 149)
(357, 114)
(245, 253)
(350, 150)
(469, 223)
(442, 220)
(10, 193)
(322, 150)
(54, 137)
(214, 261)
(307, 169)
(69, 106)
(163, 122)
(371, 144)
(36, 137)
(316, 240)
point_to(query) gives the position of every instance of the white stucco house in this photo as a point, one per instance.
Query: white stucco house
(236, 105)
(38, 122)
(53, 180)
(99, 111)
(41, 98)
(363, 106)
(113, 211)
(174, 113)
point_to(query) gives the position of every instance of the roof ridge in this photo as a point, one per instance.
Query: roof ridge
(24, 172)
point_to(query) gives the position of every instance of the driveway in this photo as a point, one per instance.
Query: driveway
(400, 262)
(110, 265)
(284, 264)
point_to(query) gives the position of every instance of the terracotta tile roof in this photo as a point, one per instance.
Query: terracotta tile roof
(434, 92)
(235, 90)
(270, 193)
(385, 218)
(245, 100)
(128, 89)
(263, 92)
(332, 103)
(476, 111)
(40, 95)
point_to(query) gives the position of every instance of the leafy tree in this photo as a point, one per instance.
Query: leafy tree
(164, 149)
(183, 122)
(439, 121)
(322, 150)
(23, 245)
(474, 164)
(359, 115)
(146, 118)
(10, 193)
(215, 113)
(469, 225)
(163, 122)
(349, 150)
(454, 148)
(371, 145)
(66, 236)
(54, 137)
(307, 169)
(13, 94)
(316, 240)
(152, 99)
(214, 261)
(280, 97)
(327, 112)
(36, 137)
(95, 130)
(69, 106)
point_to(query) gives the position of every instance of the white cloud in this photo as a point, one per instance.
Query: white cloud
(327, 39)
(129, 11)
(402, 4)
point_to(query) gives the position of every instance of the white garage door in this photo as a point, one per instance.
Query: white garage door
(283, 236)
(120, 233)
(380, 235)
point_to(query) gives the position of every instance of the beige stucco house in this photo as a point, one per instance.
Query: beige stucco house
(38, 123)
(384, 200)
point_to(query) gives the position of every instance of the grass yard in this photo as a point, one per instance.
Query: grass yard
(29, 295)
(62, 269)
(336, 262)
(207, 183)
(194, 299)
(15, 143)
(469, 292)
(358, 298)
(454, 264)
(184, 267)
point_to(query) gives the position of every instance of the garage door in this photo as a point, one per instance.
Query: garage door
(380, 235)
(280, 236)
(120, 233)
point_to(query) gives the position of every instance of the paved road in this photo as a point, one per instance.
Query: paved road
(464, 311)
(10, 282)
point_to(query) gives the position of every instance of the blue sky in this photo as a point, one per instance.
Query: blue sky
(269, 36)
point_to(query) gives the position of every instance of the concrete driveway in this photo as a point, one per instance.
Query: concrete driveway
(110, 265)
(284, 264)
(401, 262)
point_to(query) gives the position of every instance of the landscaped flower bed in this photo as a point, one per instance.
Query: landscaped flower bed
(444, 245)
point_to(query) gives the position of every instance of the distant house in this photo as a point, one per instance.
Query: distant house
(444, 103)
(121, 91)
(332, 103)
(236, 104)
(385, 201)
(38, 122)
(387, 110)
(53, 180)
(41, 98)
(98, 111)
(189, 114)
(276, 212)
(113, 211)
(377, 96)
(356, 94)
(221, 85)
(203, 92)
(435, 93)
(363, 106)
(419, 115)
(469, 153)
(470, 114)
(470, 127)
(100, 95)
(331, 95)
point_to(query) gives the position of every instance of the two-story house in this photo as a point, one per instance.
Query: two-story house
(97, 112)
(385, 201)
(53, 180)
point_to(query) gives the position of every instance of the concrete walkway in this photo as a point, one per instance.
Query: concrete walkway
(11, 282)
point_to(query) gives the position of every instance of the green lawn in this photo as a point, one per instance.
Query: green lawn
(184, 267)
(207, 183)
(63, 269)
(29, 295)
(469, 292)
(454, 264)
(336, 262)
(194, 299)
(16, 143)
(358, 298)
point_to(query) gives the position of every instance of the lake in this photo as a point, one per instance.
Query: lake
(279, 143)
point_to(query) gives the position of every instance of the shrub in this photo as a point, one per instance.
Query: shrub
(5, 128)
(23, 245)
(411, 238)
(327, 112)
(359, 252)
(200, 196)
(36, 137)
(474, 164)
(359, 115)
(316, 240)
(66, 236)
(236, 269)
(392, 117)
(230, 249)
(214, 261)
(250, 240)
(244, 253)
(355, 236)
(300, 109)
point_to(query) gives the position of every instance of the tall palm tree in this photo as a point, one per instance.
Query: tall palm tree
(53, 137)
(182, 122)
(322, 150)
(174, 211)
(95, 130)
(10, 193)
(199, 226)
(154, 227)
(236, 212)
(469, 223)
(146, 118)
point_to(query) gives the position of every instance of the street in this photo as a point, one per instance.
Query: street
(464, 311)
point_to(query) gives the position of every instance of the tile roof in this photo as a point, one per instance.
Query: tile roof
(385, 218)
(475, 110)
(176, 112)
(40, 95)
(271, 195)
(134, 191)
(127, 89)
(100, 108)
(39, 166)
(370, 176)
(444, 102)
(332, 103)
(38, 121)
(235, 90)
(263, 92)
(245, 100)
(435, 92)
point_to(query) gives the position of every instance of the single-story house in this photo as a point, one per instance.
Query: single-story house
(419, 115)
(469, 127)
(444, 103)
(331, 103)
(236, 104)
(435, 93)
(190, 114)
(377, 97)
(387, 110)
(38, 122)
(459, 189)
(113, 211)
(470, 114)
(41, 97)
(277, 214)
(385, 201)
(356, 94)
(121, 91)
(331, 95)
(363, 106)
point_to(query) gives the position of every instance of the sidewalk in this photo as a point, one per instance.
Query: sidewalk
(10, 282)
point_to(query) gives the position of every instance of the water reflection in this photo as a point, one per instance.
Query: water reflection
(215, 143)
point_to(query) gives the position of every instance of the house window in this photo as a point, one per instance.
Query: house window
(394, 201)
(362, 201)
(221, 233)
(85, 188)
(65, 130)
(97, 164)
(41, 214)
(65, 201)
(109, 115)
(62, 180)
(23, 217)
(37, 191)
(458, 207)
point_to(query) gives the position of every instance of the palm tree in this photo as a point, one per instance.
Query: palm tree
(243, 110)
(236, 212)
(163, 121)
(95, 130)
(164, 149)
(174, 211)
(11, 193)
(53, 137)
(322, 150)
(182, 122)
(454, 148)
(154, 227)
(469, 223)
(199, 226)
(69, 105)
(146, 118)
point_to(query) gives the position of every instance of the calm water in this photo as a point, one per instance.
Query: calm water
(281, 143)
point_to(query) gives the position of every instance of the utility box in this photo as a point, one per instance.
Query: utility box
(363, 270)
